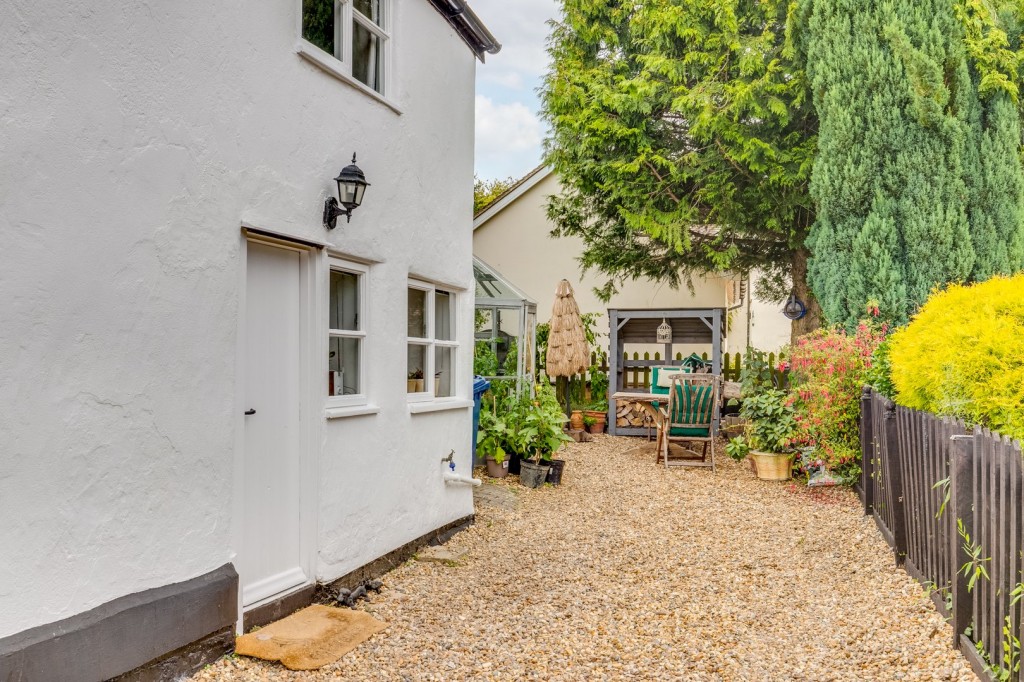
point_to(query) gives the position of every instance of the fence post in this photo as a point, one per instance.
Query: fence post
(961, 505)
(894, 481)
(867, 453)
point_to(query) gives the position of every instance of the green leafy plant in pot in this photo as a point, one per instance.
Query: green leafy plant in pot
(538, 434)
(767, 441)
(490, 443)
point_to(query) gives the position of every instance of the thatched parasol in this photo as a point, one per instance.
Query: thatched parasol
(568, 353)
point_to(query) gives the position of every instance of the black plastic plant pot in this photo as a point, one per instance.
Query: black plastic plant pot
(533, 475)
(555, 472)
(513, 464)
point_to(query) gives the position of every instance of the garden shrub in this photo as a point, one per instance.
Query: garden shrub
(828, 370)
(963, 355)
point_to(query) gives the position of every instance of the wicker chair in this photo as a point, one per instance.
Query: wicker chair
(693, 405)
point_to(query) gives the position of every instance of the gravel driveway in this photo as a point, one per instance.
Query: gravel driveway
(631, 572)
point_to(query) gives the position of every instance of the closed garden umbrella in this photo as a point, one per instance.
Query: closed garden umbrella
(568, 353)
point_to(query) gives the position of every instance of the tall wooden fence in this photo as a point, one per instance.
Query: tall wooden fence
(921, 476)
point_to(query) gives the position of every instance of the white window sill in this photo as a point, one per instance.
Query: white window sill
(439, 405)
(328, 63)
(350, 411)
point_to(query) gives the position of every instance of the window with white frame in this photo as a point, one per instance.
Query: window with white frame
(346, 373)
(432, 346)
(355, 32)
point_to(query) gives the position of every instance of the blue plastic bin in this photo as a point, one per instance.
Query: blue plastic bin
(480, 386)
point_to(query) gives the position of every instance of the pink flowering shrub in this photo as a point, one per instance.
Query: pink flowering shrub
(828, 369)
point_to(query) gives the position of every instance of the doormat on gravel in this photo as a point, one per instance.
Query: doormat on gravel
(310, 638)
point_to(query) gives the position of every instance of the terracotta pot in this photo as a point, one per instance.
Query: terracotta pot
(596, 427)
(495, 470)
(576, 420)
(772, 466)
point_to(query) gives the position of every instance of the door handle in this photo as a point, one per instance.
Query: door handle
(250, 411)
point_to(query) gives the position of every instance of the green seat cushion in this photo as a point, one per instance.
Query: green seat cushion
(694, 432)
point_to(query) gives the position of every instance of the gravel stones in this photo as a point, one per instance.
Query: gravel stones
(629, 571)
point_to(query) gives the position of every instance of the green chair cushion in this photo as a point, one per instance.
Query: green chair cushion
(695, 432)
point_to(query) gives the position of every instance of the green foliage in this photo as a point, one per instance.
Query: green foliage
(486, 191)
(491, 436)
(974, 568)
(998, 201)
(598, 388)
(879, 374)
(737, 448)
(588, 421)
(535, 426)
(669, 118)
(485, 362)
(894, 97)
(757, 374)
(918, 179)
(771, 422)
(963, 355)
(510, 367)
(543, 331)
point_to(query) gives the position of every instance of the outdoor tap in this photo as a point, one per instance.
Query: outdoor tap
(449, 459)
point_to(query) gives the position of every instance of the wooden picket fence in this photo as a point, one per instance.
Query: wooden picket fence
(923, 474)
(639, 376)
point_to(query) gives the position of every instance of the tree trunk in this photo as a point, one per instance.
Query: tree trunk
(812, 320)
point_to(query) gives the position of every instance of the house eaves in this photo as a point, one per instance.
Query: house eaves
(510, 195)
(468, 25)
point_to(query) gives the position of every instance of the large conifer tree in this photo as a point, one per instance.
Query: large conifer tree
(890, 178)
(918, 181)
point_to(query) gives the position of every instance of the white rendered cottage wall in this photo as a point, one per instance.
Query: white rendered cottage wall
(135, 138)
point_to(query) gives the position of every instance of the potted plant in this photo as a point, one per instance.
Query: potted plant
(490, 441)
(537, 435)
(414, 383)
(592, 424)
(598, 413)
(771, 425)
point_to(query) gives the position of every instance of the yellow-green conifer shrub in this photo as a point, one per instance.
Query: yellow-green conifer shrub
(963, 355)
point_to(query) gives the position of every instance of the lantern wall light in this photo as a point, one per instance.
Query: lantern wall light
(351, 186)
(664, 334)
(794, 308)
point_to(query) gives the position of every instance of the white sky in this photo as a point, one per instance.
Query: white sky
(509, 133)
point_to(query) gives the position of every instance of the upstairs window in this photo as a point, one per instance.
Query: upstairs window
(355, 32)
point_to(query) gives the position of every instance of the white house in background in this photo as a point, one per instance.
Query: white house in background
(512, 234)
(204, 395)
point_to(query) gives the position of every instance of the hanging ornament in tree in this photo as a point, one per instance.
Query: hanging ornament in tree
(794, 308)
(664, 332)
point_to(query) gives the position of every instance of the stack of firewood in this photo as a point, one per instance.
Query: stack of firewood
(630, 414)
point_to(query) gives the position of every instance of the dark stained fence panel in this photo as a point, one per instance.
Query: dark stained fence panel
(922, 474)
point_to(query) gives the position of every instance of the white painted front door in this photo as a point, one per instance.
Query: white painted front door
(270, 560)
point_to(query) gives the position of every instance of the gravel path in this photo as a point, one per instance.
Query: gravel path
(631, 572)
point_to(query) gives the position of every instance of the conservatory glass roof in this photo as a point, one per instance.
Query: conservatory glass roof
(492, 287)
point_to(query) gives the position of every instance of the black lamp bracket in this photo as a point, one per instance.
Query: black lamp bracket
(332, 211)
